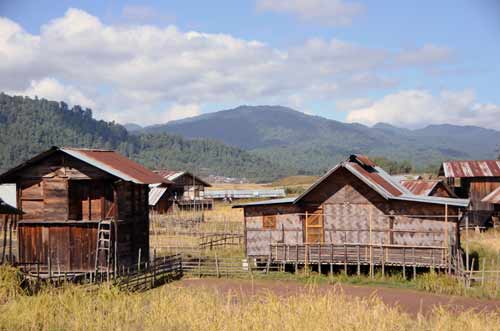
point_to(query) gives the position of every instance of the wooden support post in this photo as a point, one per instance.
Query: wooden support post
(331, 260)
(383, 261)
(199, 266)
(359, 261)
(467, 242)
(404, 262)
(371, 247)
(414, 263)
(139, 260)
(483, 267)
(50, 265)
(345, 258)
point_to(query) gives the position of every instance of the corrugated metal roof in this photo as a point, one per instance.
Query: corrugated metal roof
(493, 197)
(172, 175)
(115, 164)
(420, 187)
(108, 161)
(471, 168)
(383, 183)
(8, 193)
(155, 194)
(266, 202)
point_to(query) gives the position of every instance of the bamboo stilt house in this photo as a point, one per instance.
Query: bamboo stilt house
(355, 205)
(68, 195)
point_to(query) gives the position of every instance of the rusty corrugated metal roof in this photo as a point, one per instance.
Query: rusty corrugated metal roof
(382, 182)
(115, 164)
(106, 160)
(493, 197)
(471, 168)
(420, 187)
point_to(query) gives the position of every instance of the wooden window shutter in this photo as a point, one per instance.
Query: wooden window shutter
(269, 222)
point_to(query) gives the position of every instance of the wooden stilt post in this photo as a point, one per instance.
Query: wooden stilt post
(404, 262)
(371, 247)
(359, 261)
(345, 259)
(414, 263)
(467, 242)
(383, 260)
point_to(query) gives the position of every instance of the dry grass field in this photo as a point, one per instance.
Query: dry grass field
(177, 308)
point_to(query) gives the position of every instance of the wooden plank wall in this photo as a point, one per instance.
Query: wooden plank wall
(71, 247)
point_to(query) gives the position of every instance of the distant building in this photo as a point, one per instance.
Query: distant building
(184, 192)
(474, 180)
(82, 210)
(244, 194)
(430, 187)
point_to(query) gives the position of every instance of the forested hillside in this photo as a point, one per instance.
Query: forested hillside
(314, 143)
(29, 126)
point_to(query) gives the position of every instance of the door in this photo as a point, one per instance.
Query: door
(314, 232)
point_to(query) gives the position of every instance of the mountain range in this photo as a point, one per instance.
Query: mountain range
(260, 143)
(313, 143)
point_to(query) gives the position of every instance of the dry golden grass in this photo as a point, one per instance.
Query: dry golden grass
(295, 180)
(489, 239)
(246, 186)
(173, 308)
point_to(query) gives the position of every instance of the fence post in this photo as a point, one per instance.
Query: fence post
(414, 263)
(404, 262)
(217, 266)
(345, 258)
(359, 260)
(139, 261)
(483, 270)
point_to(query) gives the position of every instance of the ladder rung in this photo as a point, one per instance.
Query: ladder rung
(104, 239)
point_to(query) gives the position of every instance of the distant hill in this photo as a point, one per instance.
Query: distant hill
(314, 143)
(131, 127)
(30, 126)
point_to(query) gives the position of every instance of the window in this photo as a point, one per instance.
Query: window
(269, 222)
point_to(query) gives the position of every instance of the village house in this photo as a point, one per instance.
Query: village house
(355, 214)
(429, 187)
(83, 210)
(474, 180)
(182, 191)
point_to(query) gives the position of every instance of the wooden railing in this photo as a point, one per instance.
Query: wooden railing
(361, 254)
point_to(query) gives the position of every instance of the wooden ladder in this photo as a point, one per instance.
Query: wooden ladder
(104, 247)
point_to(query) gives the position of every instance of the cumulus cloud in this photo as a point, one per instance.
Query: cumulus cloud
(128, 71)
(52, 89)
(418, 108)
(330, 12)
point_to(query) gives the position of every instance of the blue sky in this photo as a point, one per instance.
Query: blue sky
(401, 62)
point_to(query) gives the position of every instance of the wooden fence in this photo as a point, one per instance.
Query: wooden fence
(220, 240)
(135, 277)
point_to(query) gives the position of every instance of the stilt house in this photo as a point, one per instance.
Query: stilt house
(78, 204)
(474, 180)
(185, 192)
(356, 212)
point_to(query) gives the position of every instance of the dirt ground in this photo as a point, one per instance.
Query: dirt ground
(410, 301)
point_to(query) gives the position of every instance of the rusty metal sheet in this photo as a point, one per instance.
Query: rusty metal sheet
(117, 165)
(420, 187)
(472, 168)
(377, 179)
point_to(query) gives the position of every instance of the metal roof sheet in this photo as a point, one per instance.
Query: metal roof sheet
(266, 202)
(115, 164)
(493, 197)
(8, 193)
(106, 160)
(470, 168)
(155, 194)
(379, 180)
(172, 175)
(420, 187)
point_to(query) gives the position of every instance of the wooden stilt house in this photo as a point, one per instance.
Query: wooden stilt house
(355, 214)
(82, 210)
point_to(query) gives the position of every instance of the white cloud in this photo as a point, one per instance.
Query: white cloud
(52, 89)
(179, 111)
(131, 71)
(330, 12)
(418, 108)
(428, 54)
